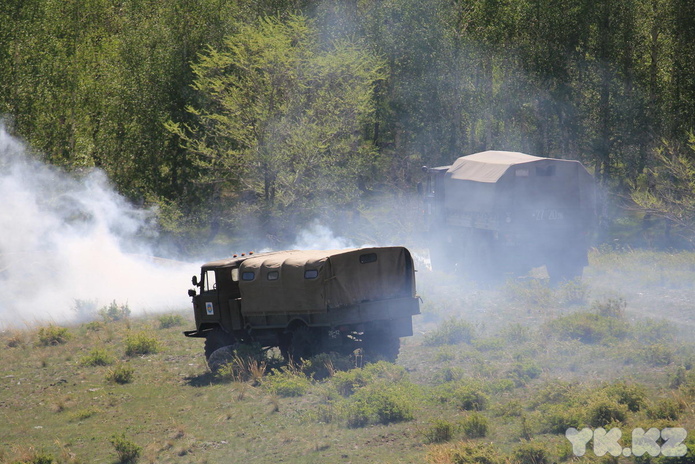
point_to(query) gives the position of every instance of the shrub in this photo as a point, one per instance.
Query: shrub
(631, 395)
(451, 331)
(347, 383)
(140, 344)
(604, 411)
(120, 374)
(114, 312)
(464, 453)
(524, 371)
(97, 357)
(170, 320)
(530, 453)
(529, 293)
(379, 403)
(127, 451)
(558, 418)
(469, 398)
(53, 335)
(667, 409)
(588, 327)
(85, 309)
(287, 383)
(573, 292)
(475, 426)
(657, 355)
(439, 431)
(611, 307)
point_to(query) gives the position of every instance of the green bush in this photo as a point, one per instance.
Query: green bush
(127, 451)
(439, 431)
(53, 335)
(170, 320)
(287, 383)
(347, 383)
(475, 426)
(557, 418)
(140, 344)
(530, 452)
(524, 371)
(529, 293)
(451, 331)
(631, 395)
(657, 355)
(379, 403)
(588, 327)
(666, 409)
(465, 453)
(97, 357)
(470, 398)
(604, 411)
(120, 374)
(324, 365)
(114, 312)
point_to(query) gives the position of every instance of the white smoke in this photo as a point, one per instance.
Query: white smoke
(319, 237)
(64, 240)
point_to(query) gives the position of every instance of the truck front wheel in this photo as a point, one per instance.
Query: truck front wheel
(378, 346)
(216, 339)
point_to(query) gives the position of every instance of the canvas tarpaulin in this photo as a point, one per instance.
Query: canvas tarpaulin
(313, 281)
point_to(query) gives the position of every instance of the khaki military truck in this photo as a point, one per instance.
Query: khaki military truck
(496, 213)
(307, 302)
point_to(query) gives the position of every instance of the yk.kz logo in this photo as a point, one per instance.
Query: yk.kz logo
(668, 441)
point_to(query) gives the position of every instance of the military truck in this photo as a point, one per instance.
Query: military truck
(500, 213)
(307, 302)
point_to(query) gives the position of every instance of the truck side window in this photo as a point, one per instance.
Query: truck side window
(545, 171)
(311, 274)
(368, 258)
(248, 275)
(273, 275)
(210, 281)
(235, 274)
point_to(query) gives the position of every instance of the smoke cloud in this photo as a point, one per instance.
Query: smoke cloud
(65, 240)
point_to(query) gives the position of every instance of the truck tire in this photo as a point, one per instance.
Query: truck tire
(216, 339)
(220, 357)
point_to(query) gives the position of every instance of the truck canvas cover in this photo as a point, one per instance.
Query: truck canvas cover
(499, 180)
(317, 281)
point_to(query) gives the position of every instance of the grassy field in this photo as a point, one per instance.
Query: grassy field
(492, 375)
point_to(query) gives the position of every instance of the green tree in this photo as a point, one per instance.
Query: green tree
(282, 124)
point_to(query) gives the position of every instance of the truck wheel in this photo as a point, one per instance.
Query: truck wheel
(221, 356)
(304, 344)
(216, 339)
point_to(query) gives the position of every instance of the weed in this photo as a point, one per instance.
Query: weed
(141, 343)
(53, 335)
(114, 312)
(127, 451)
(475, 426)
(170, 320)
(347, 383)
(573, 292)
(451, 331)
(439, 431)
(94, 326)
(97, 357)
(121, 374)
(589, 327)
(524, 371)
(15, 339)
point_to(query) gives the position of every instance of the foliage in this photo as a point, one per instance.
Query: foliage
(167, 321)
(451, 331)
(140, 343)
(439, 431)
(121, 374)
(127, 451)
(287, 383)
(97, 357)
(53, 335)
(379, 403)
(531, 452)
(114, 312)
(475, 425)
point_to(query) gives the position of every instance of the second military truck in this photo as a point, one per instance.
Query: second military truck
(499, 212)
(307, 302)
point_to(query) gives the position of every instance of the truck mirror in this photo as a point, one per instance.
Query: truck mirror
(194, 280)
(191, 293)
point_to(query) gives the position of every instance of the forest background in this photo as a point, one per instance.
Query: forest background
(241, 121)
